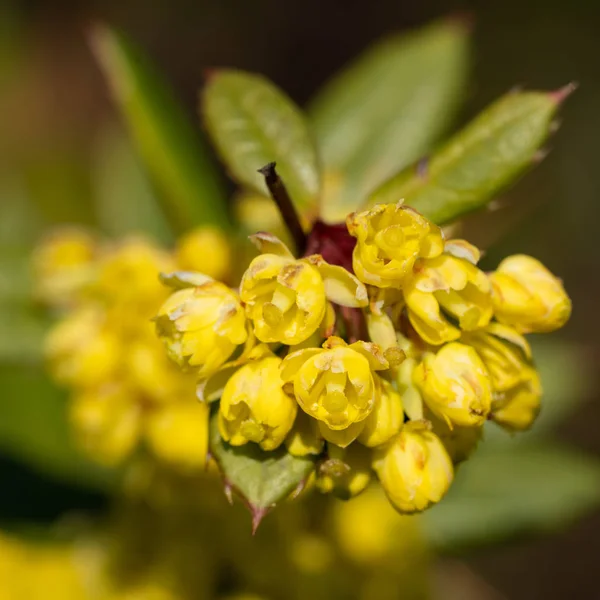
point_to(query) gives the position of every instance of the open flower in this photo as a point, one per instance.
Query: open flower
(455, 385)
(445, 295)
(334, 384)
(202, 326)
(414, 468)
(254, 407)
(390, 238)
(286, 299)
(528, 297)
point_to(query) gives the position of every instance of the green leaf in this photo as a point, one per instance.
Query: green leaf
(261, 478)
(125, 202)
(165, 138)
(386, 109)
(253, 123)
(501, 493)
(490, 153)
(34, 428)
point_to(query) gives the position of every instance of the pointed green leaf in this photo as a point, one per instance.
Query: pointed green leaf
(385, 110)
(261, 478)
(165, 138)
(500, 493)
(252, 123)
(490, 153)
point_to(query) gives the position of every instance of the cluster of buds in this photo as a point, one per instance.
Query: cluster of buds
(124, 390)
(382, 349)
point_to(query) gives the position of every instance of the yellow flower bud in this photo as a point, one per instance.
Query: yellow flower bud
(149, 370)
(390, 237)
(528, 297)
(178, 433)
(206, 250)
(504, 352)
(285, 298)
(413, 468)
(62, 264)
(460, 442)
(386, 418)
(455, 385)
(82, 351)
(254, 407)
(447, 285)
(304, 438)
(341, 437)
(516, 409)
(127, 277)
(335, 384)
(107, 422)
(202, 326)
(346, 473)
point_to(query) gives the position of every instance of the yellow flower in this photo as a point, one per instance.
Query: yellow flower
(202, 326)
(341, 437)
(528, 297)
(517, 408)
(107, 422)
(254, 407)
(455, 385)
(504, 352)
(386, 418)
(127, 278)
(447, 285)
(82, 351)
(346, 473)
(304, 438)
(149, 370)
(178, 433)
(206, 250)
(413, 468)
(284, 298)
(334, 384)
(62, 265)
(390, 237)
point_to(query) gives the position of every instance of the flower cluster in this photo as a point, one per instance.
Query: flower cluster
(396, 355)
(124, 390)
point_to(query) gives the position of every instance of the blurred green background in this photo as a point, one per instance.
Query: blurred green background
(63, 158)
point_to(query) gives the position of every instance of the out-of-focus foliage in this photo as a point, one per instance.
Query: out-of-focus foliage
(188, 187)
(387, 109)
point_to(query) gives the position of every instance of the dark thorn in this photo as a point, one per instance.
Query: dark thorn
(281, 197)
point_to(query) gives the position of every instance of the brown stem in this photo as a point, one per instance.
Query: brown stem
(281, 197)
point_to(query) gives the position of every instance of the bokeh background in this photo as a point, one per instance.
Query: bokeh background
(55, 117)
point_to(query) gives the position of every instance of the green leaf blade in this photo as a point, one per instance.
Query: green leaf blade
(253, 123)
(261, 478)
(172, 154)
(386, 109)
(486, 156)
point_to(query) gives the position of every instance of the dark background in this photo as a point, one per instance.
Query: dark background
(59, 103)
